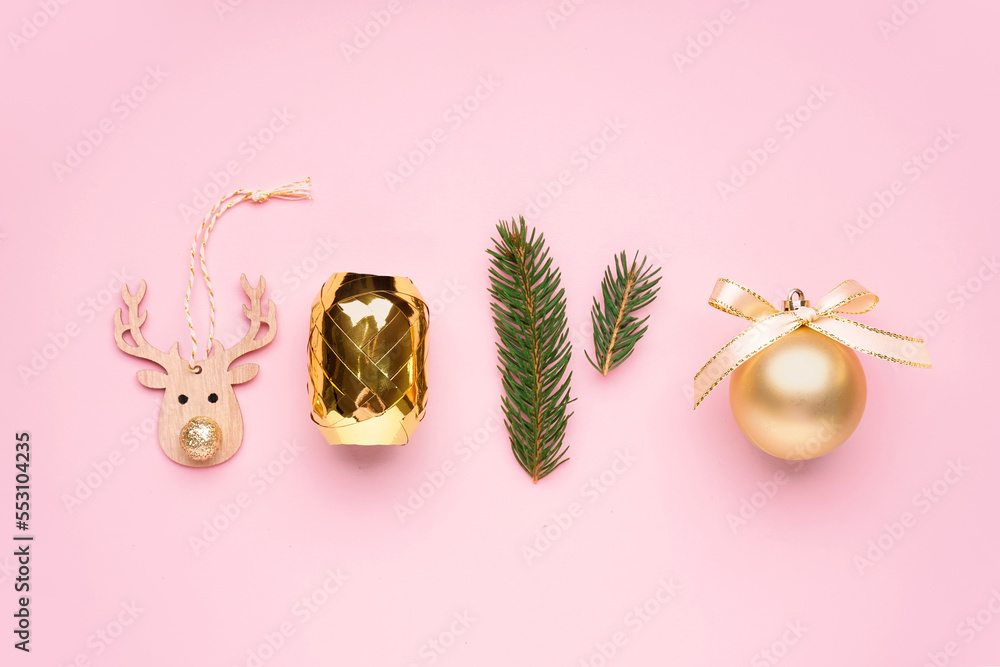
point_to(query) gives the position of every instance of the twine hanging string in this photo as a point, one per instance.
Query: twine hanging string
(297, 190)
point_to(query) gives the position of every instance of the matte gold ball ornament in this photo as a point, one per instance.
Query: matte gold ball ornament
(802, 396)
(798, 389)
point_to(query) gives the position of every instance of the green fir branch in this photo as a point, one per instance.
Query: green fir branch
(616, 328)
(529, 312)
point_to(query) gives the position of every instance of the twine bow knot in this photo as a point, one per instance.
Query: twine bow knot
(771, 324)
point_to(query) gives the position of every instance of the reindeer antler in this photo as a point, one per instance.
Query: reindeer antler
(250, 341)
(141, 348)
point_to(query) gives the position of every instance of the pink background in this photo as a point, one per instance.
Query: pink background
(651, 185)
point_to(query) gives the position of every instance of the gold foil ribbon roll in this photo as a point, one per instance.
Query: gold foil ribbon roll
(367, 359)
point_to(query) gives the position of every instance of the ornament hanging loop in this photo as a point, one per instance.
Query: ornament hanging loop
(296, 190)
(792, 303)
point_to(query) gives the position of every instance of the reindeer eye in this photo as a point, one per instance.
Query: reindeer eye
(182, 399)
(212, 398)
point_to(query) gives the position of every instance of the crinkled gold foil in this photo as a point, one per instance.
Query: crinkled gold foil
(367, 359)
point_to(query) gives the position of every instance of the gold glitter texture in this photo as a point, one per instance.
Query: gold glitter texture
(200, 438)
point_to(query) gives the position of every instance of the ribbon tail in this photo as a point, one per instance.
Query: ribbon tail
(739, 350)
(876, 342)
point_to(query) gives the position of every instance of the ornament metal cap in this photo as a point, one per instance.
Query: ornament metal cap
(367, 359)
(792, 303)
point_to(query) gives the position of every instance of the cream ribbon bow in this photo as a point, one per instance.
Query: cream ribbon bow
(770, 324)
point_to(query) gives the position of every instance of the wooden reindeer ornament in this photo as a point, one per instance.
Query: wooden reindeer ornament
(200, 419)
(200, 422)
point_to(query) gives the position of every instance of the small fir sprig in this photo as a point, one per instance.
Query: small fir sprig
(616, 328)
(529, 312)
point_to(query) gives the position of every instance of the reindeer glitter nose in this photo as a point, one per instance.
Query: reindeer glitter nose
(200, 438)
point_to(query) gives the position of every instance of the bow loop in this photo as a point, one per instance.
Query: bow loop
(849, 298)
(736, 299)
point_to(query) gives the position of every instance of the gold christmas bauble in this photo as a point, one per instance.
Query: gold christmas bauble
(801, 397)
